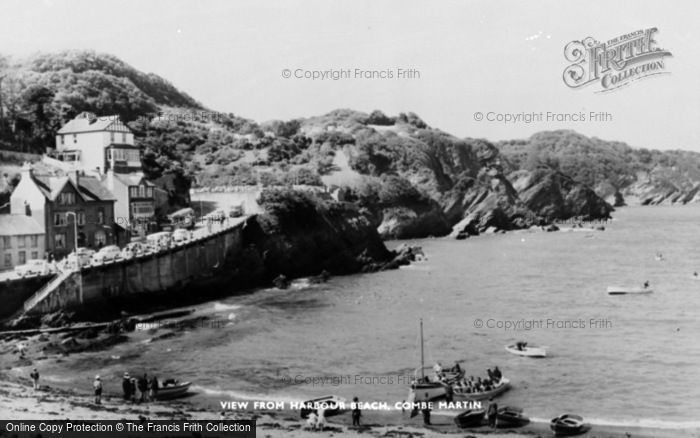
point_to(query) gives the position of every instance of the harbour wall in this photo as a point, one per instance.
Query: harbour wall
(177, 270)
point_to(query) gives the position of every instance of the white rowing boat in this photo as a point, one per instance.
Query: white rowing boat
(617, 290)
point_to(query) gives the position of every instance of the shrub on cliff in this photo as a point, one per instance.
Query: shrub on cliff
(288, 209)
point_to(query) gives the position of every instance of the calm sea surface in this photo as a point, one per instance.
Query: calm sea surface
(358, 335)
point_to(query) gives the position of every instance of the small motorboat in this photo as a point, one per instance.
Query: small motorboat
(527, 350)
(172, 389)
(471, 418)
(460, 393)
(510, 416)
(567, 425)
(617, 290)
(331, 405)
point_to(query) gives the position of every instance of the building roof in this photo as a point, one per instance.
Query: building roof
(132, 179)
(90, 188)
(18, 225)
(88, 122)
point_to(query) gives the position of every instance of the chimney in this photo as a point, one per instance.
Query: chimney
(91, 117)
(27, 170)
(75, 177)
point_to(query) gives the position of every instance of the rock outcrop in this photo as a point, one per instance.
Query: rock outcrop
(554, 196)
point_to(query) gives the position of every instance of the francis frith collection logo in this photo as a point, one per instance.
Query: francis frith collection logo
(614, 63)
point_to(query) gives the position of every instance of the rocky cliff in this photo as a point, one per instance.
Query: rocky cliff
(617, 172)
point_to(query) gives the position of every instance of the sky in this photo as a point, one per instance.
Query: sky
(492, 57)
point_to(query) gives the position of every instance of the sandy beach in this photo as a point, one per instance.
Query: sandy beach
(18, 401)
(67, 394)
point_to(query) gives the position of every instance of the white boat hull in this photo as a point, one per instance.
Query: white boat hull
(527, 351)
(424, 392)
(615, 290)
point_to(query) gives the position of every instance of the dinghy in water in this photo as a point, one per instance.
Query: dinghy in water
(527, 350)
(617, 290)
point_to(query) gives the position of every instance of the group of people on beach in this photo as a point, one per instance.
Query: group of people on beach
(140, 390)
(473, 385)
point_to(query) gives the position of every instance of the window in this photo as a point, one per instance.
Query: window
(100, 238)
(66, 198)
(140, 209)
(142, 191)
(59, 219)
(22, 257)
(59, 240)
(35, 255)
(8, 260)
(81, 218)
(21, 242)
(100, 216)
(6, 242)
(63, 139)
(123, 137)
(111, 137)
(34, 241)
(75, 138)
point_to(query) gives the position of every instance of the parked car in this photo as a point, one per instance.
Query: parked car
(33, 267)
(183, 218)
(235, 211)
(82, 256)
(181, 235)
(108, 253)
(134, 249)
(216, 215)
(158, 241)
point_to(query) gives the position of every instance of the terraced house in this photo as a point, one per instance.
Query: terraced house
(73, 209)
(21, 239)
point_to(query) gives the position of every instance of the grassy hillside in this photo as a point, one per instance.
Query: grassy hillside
(414, 179)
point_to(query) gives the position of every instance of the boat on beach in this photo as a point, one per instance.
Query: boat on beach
(331, 405)
(568, 425)
(423, 389)
(509, 416)
(170, 391)
(471, 418)
(618, 290)
(460, 393)
(527, 350)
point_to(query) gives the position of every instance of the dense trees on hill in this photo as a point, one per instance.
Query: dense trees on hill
(593, 161)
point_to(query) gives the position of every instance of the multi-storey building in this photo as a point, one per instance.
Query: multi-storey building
(71, 209)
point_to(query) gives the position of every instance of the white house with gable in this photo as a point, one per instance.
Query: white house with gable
(97, 144)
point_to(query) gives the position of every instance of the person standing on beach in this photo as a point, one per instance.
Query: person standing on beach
(426, 411)
(126, 386)
(97, 386)
(35, 378)
(143, 388)
(132, 389)
(356, 412)
(491, 413)
(153, 388)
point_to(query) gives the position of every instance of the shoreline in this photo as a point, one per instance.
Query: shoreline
(50, 402)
